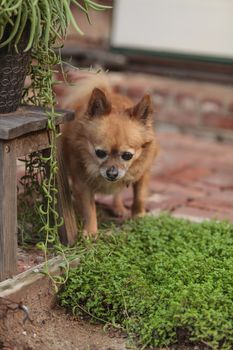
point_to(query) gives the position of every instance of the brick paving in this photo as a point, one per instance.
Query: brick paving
(195, 177)
(192, 178)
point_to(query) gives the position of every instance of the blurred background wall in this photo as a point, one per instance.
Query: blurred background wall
(201, 28)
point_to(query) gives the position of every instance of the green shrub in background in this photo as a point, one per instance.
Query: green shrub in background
(159, 278)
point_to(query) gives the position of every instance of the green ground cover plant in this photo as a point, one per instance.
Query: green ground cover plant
(162, 280)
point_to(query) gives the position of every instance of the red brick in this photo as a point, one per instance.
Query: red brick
(156, 186)
(118, 89)
(211, 105)
(136, 91)
(222, 200)
(159, 102)
(157, 197)
(159, 98)
(188, 191)
(190, 174)
(178, 117)
(163, 92)
(186, 102)
(230, 107)
(218, 121)
(212, 204)
(170, 162)
(221, 180)
(226, 197)
(168, 175)
(169, 204)
(197, 214)
(203, 186)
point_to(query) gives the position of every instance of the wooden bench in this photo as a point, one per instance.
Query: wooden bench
(22, 133)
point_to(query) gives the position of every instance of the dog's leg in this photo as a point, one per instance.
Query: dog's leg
(85, 205)
(118, 206)
(89, 215)
(139, 195)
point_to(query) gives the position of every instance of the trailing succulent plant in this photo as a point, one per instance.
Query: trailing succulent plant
(49, 20)
(45, 23)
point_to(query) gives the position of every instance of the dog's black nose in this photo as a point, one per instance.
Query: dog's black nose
(112, 173)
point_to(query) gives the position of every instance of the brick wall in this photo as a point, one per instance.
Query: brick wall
(198, 107)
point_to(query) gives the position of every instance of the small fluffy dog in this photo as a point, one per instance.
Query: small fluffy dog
(110, 145)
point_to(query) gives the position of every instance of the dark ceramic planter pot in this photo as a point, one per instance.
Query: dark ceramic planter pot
(13, 69)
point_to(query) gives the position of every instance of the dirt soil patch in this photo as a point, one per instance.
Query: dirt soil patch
(50, 328)
(56, 330)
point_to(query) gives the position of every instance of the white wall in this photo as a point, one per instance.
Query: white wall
(201, 27)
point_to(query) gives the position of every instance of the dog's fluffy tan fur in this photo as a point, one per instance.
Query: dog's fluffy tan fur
(108, 129)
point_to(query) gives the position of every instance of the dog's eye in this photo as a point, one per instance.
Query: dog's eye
(100, 153)
(127, 155)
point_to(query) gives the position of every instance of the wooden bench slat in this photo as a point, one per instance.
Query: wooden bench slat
(28, 119)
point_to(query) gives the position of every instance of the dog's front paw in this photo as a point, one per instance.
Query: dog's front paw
(90, 232)
(138, 213)
(89, 235)
(121, 212)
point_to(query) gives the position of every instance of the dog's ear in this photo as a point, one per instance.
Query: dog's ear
(98, 104)
(143, 110)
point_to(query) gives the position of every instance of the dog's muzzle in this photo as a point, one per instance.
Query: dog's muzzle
(112, 173)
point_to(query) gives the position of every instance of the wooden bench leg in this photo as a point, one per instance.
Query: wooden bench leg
(8, 210)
